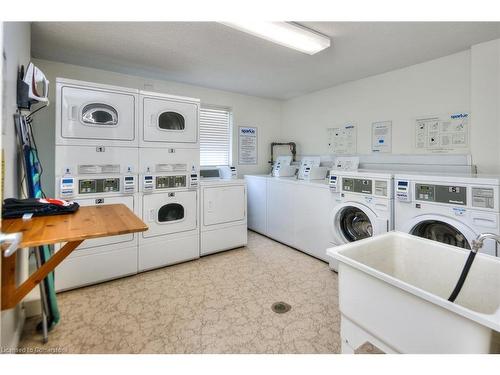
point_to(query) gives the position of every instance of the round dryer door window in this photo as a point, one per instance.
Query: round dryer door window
(171, 121)
(99, 114)
(441, 232)
(355, 224)
(170, 212)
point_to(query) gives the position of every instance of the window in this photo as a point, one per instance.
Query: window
(215, 136)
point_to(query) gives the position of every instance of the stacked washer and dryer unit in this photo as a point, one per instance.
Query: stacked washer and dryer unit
(119, 145)
(169, 159)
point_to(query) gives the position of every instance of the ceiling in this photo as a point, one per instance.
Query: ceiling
(213, 55)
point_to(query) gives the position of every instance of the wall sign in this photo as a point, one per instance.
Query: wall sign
(342, 139)
(382, 136)
(247, 146)
(442, 133)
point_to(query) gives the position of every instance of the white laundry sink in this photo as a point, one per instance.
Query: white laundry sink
(393, 291)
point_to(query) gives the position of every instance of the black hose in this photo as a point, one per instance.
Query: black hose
(463, 276)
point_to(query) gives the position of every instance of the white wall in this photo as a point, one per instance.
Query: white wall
(485, 105)
(432, 88)
(17, 48)
(247, 111)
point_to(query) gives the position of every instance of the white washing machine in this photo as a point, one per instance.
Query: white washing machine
(452, 209)
(223, 210)
(99, 180)
(363, 207)
(168, 120)
(95, 114)
(170, 207)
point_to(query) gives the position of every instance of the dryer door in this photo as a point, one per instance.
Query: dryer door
(353, 221)
(168, 213)
(169, 121)
(92, 114)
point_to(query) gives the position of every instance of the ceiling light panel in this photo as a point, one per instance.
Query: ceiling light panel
(287, 34)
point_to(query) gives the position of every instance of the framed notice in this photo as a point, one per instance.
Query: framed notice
(382, 136)
(442, 133)
(247, 145)
(342, 139)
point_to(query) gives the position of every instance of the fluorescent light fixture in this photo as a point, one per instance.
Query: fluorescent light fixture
(287, 34)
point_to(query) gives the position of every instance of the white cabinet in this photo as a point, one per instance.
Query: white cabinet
(281, 211)
(312, 219)
(257, 203)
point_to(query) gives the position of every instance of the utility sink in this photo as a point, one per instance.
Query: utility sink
(394, 289)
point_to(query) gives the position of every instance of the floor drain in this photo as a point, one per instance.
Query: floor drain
(281, 307)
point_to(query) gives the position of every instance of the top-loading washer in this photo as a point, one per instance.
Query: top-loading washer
(168, 120)
(223, 210)
(452, 209)
(95, 114)
(364, 205)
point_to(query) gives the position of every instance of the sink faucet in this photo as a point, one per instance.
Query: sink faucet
(479, 241)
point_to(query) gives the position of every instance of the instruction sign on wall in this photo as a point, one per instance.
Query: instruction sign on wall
(247, 145)
(382, 136)
(442, 133)
(342, 139)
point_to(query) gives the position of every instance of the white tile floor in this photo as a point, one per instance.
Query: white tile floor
(218, 304)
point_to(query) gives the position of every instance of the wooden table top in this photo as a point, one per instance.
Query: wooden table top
(88, 222)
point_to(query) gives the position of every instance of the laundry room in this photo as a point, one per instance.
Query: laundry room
(225, 184)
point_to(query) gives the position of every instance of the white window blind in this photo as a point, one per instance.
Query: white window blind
(215, 136)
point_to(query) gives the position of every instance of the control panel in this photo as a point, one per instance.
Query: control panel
(161, 182)
(425, 192)
(228, 172)
(381, 188)
(170, 182)
(357, 185)
(333, 183)
(403, 193)
(129, 184)
(67, 187)
(98, 185)
(193, 179)
(483, 197)
(147, 183)
(449, 194)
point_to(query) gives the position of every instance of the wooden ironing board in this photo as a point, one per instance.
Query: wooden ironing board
(88, 222)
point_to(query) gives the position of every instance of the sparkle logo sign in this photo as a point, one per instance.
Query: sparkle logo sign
(247, 146)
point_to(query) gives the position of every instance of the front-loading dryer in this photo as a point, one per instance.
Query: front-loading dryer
(170, 212)
(170, 207)
(452, 209)
(95, 114)
(364, 205)
(168, 120)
